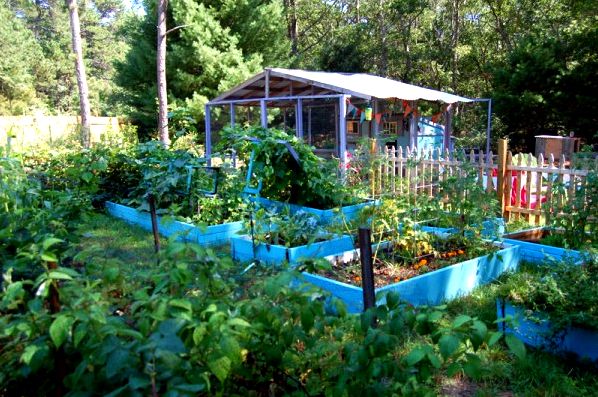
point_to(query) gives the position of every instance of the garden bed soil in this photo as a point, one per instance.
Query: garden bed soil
(533, 235)
(431, 288)
(388, 271)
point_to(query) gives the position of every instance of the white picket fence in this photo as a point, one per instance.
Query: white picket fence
(527, 188)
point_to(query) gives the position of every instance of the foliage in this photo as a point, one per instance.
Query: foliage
(220, 44)
(18, 65)
(469, 204)
(310, 181)
(548, 85)
(184, 332)
(49, 57)
(290, 230)
(576, 226)
(564, 291)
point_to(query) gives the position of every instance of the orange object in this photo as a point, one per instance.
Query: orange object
(460, 252)
(423, 262)
(357, 278)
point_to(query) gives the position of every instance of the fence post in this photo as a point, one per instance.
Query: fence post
(502, 175)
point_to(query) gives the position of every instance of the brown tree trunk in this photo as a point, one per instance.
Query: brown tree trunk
(455, 35)
(161, 73)
(293, 31)
(80, 71)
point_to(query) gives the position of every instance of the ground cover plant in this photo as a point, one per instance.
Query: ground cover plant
(539, 373)
(565, 292)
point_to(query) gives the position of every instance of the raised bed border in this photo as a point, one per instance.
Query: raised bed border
(350, 212)
(538, 332)
(242, 250)
(431, 288)
(538, 253)
(211, 235)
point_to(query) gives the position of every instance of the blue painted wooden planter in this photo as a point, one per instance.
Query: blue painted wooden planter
(538, 253)
(535, 330)
(211, 235)
(242, 249)
(431, 288)
(325, 216)
(491, 228)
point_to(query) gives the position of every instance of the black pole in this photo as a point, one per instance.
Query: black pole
(367, 269)
(152, 204)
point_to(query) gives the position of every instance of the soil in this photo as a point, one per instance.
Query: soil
(389, 270)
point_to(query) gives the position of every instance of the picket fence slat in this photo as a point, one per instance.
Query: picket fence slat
(542, 189)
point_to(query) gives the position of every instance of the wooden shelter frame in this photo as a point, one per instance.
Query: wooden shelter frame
(275, 88)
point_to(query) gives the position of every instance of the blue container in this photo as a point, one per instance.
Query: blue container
(431, 288)
(534, 329)
(538, 253)
(242, 249)
(325, 216)
(210, 235)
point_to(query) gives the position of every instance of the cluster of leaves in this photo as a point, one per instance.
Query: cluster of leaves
(194, 324)
(564, 291)
(576, 225)
(178, 179)
(284, 228)
(182, 186)
(310, 180)
(471, 209)
(30, 213)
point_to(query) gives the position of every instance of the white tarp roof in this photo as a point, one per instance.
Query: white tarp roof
(372, 86)
(360, 85)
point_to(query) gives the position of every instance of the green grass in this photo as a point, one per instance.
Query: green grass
(102, 237)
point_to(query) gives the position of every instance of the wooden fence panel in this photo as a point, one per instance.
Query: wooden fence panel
(532, 191)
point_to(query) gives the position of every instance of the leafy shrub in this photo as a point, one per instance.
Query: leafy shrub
(566, 292)
(311, 182)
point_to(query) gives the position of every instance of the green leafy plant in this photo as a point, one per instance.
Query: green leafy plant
(308, 180)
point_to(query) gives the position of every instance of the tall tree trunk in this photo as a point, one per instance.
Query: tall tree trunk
(161, 72)
(455, 35)
(80, 71)
(293, 31)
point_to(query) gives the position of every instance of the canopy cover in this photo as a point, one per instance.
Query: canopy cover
(361, 85)
(372, 86)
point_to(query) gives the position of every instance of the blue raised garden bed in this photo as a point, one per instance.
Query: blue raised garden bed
(325, 216)
(431, 288)
(210, 235)
(242, 249)
(538, 253)
(535, 330)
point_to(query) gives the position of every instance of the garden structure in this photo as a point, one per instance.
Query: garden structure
(332, 111)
